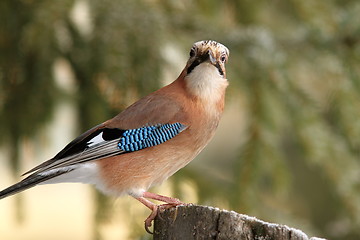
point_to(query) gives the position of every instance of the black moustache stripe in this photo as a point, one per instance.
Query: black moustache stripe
(197, 61)
(217, 65)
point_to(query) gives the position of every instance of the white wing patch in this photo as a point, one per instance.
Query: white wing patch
(96, 140)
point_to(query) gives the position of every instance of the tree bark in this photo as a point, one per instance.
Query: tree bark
(202, 222)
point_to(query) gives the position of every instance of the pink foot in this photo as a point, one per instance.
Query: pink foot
(170, 202)
(150, 218)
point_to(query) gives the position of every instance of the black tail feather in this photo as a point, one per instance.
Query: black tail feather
(26, 183)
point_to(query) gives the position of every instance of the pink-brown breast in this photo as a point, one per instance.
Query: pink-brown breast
(136, 171)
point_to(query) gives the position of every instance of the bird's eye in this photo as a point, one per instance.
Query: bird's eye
(223, 58)
(192, 52)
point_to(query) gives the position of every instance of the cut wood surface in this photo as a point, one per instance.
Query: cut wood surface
(203, 222)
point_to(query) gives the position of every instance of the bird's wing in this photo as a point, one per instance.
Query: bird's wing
(107, 142)
(110, 138)
(75, 146)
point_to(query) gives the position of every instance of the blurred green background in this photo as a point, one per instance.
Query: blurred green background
(287, 150)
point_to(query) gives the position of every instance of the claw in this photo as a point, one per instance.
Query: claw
(156, 209)
(163, 207)
(170, 202)
(150, 218)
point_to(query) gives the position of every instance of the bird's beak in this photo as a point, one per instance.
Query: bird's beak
(211, 57)
(207, 55)
(214, 62)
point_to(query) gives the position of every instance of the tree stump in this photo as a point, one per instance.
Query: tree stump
(202, 222)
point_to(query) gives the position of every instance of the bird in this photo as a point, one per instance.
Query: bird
(150, 140)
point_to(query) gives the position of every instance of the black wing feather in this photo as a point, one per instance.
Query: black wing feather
(79, 145)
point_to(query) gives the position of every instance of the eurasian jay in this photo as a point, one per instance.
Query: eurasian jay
(150, 140)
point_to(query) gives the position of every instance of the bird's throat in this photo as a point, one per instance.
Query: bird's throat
(206, 83)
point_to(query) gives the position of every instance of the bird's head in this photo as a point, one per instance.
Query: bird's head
(205, 69)
(208, 52)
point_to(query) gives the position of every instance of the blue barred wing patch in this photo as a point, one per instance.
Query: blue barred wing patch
(144, 137)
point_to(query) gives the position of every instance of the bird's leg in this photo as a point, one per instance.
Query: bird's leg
(170, 202)
(154, 209)
(161, 198)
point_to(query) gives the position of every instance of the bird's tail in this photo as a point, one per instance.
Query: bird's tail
(30, 181)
